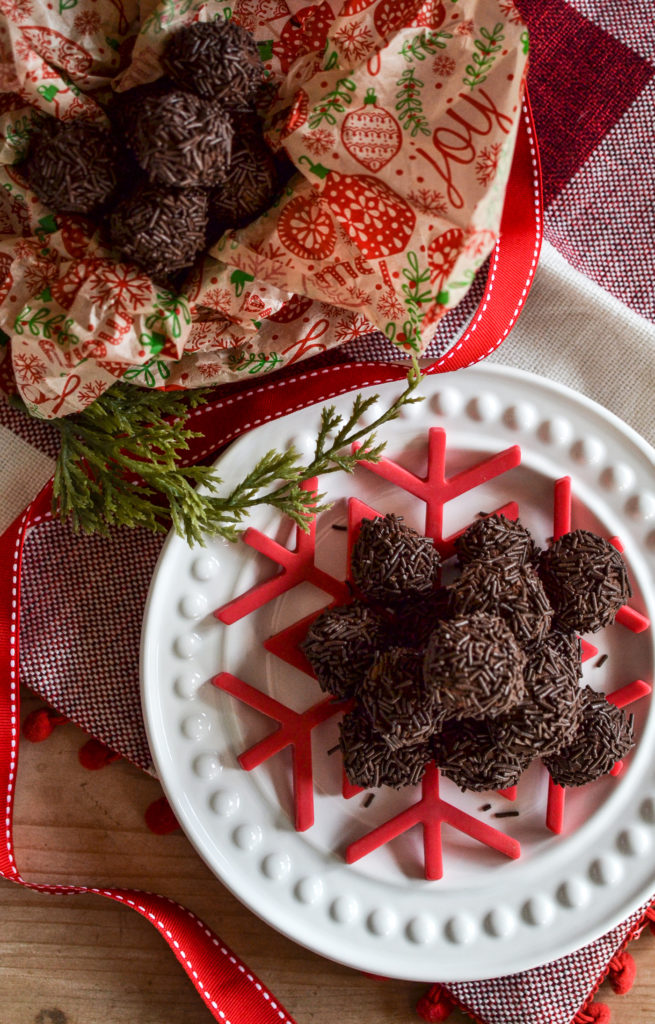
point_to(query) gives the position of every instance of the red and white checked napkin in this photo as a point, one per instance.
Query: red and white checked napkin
(589, 322)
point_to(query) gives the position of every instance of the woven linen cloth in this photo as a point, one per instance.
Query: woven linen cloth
(589, 323)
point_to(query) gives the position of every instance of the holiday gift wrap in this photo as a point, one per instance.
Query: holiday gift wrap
(399, 117)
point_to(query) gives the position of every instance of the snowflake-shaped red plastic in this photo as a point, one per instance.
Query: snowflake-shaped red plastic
(294, 728)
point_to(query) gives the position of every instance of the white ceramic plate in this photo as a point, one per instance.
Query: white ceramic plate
(488, 915)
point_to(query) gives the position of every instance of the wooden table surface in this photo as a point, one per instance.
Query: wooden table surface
(84, 960)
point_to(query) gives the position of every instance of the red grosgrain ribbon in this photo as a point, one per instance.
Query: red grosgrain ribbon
(513, 263)
(231, 991)
(233, 994)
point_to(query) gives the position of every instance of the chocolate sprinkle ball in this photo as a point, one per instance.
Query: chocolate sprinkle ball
(469, 753)
(475, 666)
(549, 715)
(586, 580)
(513, 592)
(401, 708)
(415, 620)
(369, 761)
(160, 229)
(341, 645)
(217, 60)
(493, 537)
(604, 736)
(180, 140)
(72, 166)
(248, 187)
(391, 562)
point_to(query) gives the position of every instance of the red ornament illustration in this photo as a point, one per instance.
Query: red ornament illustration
(297, 115)
(431, 15)
(392, 15)
(353, 7)
(57, 49)
(305, 32)
(371, 134)
(442, 255)
(292, 310)
(375, 218)
(6, 280)
(75, 234)
(306, 228)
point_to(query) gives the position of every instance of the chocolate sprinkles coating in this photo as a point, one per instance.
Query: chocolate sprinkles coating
(493, 537)
(341, 645)
(474, 666)
(390, 562)
(416, 619)
(469, 753)
(217, 60)
(248, 187)
(160, 229)
(549, 715)
(586, 580)
(73, 166)
(605, 735)
(504, 588)
(179, 139)
(401, 708)
(369, 762)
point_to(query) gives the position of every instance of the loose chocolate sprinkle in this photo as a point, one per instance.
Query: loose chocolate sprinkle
(342, 643)
(160, 229)
(507, 589)
(586, 580)
(495, 535)
(604, 736)
(369, 800)
(474, 666)
(506, 814)
(485, 807)
(369, 762)
(73, 166)
(333, 749)
(217, 60)
(339, 526)
(181, 140)
(601, 661)
(391, 562)
(402, 710)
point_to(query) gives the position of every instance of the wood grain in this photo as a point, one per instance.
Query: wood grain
(84, 960)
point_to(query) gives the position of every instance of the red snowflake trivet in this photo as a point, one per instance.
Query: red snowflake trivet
(294, 729)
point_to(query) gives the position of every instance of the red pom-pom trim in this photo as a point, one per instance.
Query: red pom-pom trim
(622, 972)
(435, 1006)
(39, 724)
(160, 818)
(595, 1013)
(94, 755)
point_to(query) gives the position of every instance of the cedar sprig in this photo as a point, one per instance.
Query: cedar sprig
(120, 464)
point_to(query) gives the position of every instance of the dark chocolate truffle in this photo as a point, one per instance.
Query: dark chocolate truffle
(391, 562)
(513, 592)
(604, 736)
(494, 536)
(179, 139)
(468, 752)
(416, 619)
(217, 60)
(248, 187)
(72, 165)
(474, 666)
(369, 761)
(586, 581)
(341, 645)
(160, 229)
(549, 714)
(401, 708)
